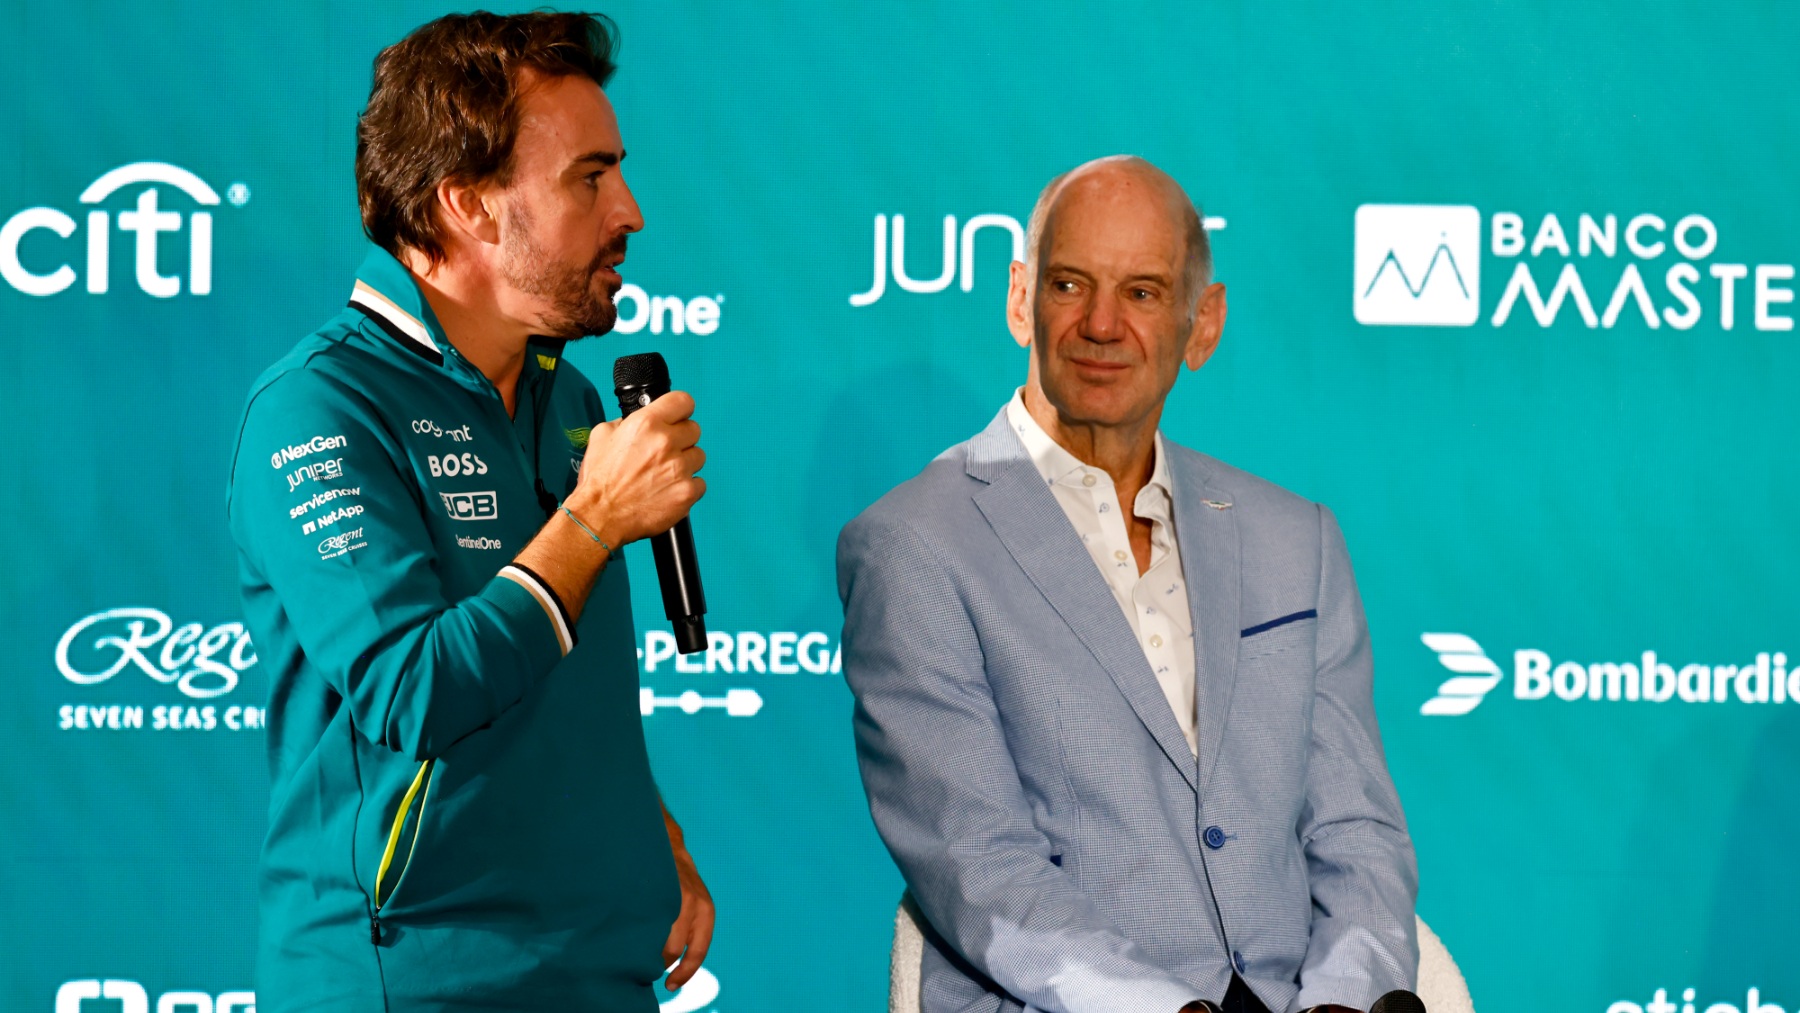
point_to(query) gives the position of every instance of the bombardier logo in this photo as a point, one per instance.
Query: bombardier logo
(1476, 674)
(1764, 679)
(50, 273)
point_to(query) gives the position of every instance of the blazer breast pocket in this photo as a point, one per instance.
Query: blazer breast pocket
(1278, 635)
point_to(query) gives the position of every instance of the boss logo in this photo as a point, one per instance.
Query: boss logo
(452, 465)
(471, 506)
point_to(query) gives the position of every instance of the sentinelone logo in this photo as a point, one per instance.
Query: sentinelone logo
(1420, 264)
(49, 274)
(948, 264)
(1539, 676)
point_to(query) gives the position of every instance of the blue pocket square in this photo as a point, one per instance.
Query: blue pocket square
(1283, 621)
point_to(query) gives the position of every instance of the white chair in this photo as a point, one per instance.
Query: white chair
(1441, 984)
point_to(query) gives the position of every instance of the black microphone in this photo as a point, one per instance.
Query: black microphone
(637, 381)
(1398, 1001)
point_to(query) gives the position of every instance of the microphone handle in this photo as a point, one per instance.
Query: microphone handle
(677, 566)
(684, 601)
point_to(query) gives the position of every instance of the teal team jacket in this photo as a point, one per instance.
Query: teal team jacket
(462, 813)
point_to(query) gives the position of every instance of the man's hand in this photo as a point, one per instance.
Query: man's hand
(638, 475)
(692, 932)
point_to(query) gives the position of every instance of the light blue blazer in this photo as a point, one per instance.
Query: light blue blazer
(1030, 780)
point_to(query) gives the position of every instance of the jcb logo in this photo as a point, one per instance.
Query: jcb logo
(147, 222)
(471, 506)
(452, 465)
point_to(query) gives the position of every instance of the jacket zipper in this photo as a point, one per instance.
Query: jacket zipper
(420, 780)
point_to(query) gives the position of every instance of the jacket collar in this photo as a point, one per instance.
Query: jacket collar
(1035, 531)
(388, 295)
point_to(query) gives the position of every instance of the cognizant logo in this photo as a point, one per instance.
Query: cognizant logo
(952, 266)
(49, 272)
(1537, 675)
(1420, 265)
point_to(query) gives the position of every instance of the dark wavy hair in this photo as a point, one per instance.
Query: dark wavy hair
(445, 106)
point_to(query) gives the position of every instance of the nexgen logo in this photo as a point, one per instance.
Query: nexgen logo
(147, 220)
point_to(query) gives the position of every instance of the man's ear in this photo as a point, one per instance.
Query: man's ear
(1209, 327)
(468, 211)
(1018, 304)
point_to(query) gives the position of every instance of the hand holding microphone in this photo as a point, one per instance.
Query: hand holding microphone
(638, 475)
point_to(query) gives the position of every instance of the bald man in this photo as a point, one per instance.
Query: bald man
(1126, 758)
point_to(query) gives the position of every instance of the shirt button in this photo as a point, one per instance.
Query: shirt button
(1215, 838)
(1119, 555)
(1088, 480)
(1155, 640)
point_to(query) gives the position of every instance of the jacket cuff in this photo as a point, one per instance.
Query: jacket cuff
(529, 599)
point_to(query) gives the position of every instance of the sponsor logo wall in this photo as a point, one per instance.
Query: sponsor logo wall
(1554, 419)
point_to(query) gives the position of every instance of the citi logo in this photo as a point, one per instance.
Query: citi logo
(1420, 265)
(1764, 679)
(147, 221)
(955, 261)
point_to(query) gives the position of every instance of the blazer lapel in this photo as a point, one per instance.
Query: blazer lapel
(1210, 557)
(1032, 526)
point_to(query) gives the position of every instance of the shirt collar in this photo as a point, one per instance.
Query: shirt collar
(1055, 463)
(386, 293)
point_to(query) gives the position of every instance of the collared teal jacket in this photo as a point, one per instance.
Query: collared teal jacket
(462, 813)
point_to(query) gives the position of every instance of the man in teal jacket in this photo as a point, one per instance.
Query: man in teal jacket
(428, 504)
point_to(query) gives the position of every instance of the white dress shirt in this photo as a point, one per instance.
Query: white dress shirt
(1156, 603)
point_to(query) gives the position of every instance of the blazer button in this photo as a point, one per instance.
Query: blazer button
(1215, 838)
(1237, 961)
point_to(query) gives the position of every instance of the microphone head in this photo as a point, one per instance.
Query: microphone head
(1398, 1001)
(647, 370)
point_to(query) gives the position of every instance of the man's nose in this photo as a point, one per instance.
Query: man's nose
(1102, 322)
(629, 218)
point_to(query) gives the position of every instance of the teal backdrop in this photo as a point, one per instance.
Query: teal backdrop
(1511, 289)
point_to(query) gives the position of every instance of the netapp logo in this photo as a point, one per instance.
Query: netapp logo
(1420, 264)
(147, 221)
(948, 270)
(1538, 676)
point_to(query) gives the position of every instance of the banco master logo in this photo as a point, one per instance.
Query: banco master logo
(41, 268)
(1418, 264)
(1764, 679)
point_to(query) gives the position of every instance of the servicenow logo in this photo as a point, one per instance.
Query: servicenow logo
(1645, 677)
(39, 268)
(956, 259)
(1420, 265)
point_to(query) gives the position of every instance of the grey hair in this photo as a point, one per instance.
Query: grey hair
(1196, 272)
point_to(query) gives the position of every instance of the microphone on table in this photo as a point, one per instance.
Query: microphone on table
(637, 381)
(1398, 1001)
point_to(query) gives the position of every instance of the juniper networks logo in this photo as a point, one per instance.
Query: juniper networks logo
(1421, 265)
(1645, 678)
